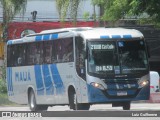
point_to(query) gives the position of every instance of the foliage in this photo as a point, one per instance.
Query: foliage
(74, 10)
(68, 6)
(62, 7)
(118, 9)
(4, 100)
(3, 87)
(115, 9)
(98, 2)
(152, 8)
(10, 9)
(86, 16)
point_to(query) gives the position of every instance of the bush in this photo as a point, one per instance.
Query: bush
(4, 100)
(3, 87)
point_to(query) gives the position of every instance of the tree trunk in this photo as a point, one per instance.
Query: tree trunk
(5, 23)
(101, 22)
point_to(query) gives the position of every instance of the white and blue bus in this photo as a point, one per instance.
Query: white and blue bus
(78, 67)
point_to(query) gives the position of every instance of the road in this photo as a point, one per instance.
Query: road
(101, 107)
(95, 110)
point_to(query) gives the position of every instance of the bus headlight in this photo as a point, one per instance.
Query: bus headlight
(142, 83)
(97, 85)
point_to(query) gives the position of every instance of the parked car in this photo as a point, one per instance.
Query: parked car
(154, 82)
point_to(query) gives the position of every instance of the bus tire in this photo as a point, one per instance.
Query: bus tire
(74, 104)
(42, 107)
(33, 105)
(126, 106)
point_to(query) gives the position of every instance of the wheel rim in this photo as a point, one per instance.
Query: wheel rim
(75, 101)
(32, 101)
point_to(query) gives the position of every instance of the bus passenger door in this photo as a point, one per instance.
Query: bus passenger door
(80, 68)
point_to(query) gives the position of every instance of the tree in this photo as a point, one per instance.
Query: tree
(151, 7)
(101, 4)
(62, 8)
(117, 9)
(68, 6)
(10, 9)
(112, 10)
(74, 4)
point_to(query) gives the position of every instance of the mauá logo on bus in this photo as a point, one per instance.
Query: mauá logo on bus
(23, 76)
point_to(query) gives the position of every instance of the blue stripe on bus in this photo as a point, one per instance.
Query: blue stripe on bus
(127, 36)
(39, 38)
(39, 81)
(9, 82)
(47, 80)
(104, 37)
(54, 36)
(46, 37)
(116, 36)
(57, 79)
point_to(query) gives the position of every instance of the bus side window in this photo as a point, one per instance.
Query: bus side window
(54, 52)
(14, 55)
(9, 56)
(17, 54)
(38, 58)
(68, 50)
(62, 50)
(35, 53)
(21, 54)
(30, 53)
(47, 52)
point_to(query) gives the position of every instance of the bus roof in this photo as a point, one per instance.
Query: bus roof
(85, 32)
(117, 33)
(67, 29)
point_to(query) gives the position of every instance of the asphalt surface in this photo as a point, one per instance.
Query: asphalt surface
(139, 111)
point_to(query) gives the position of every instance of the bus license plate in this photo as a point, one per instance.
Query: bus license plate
(122, 93)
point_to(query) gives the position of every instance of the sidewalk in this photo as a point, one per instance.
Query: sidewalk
(154, 97)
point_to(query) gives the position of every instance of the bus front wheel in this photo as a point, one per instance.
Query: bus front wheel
(32, 103)
(74, 104)
(126, 106)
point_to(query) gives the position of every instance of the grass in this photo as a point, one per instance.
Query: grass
(4, 101)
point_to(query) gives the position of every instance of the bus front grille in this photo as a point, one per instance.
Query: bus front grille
(121, 88)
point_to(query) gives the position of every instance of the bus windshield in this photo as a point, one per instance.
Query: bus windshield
(133, 56)
(116, 57)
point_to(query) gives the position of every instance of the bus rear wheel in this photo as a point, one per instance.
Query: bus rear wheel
(74, 104)
(33, 105)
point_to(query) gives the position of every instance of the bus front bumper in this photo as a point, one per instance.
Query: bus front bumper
(96, 95)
